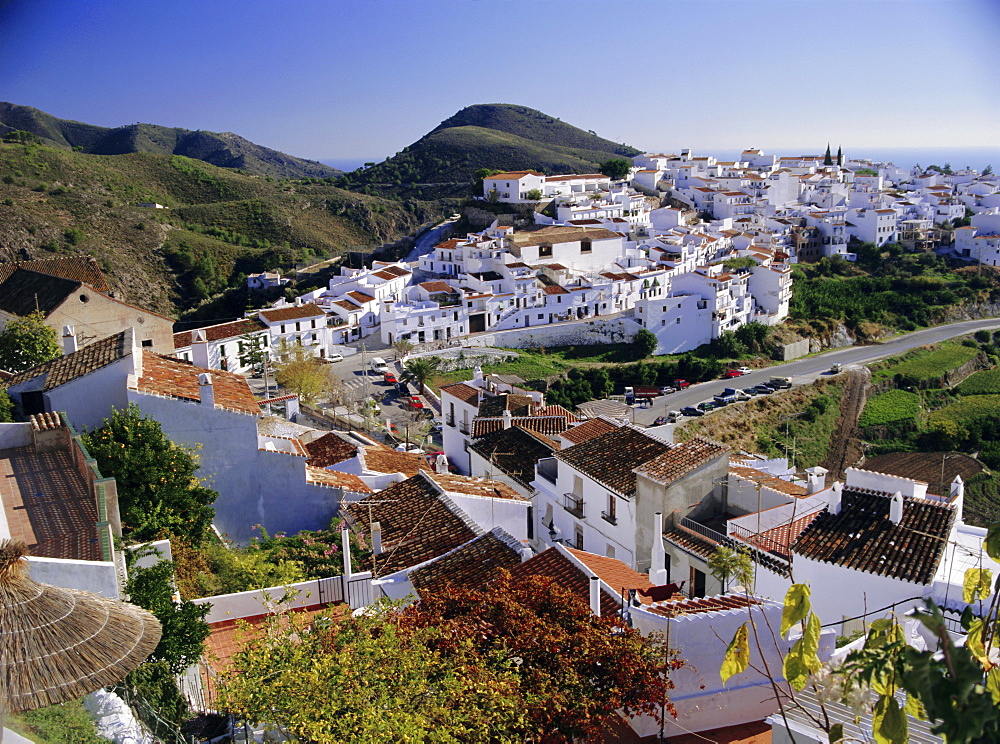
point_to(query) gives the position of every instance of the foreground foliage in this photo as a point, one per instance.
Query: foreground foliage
(27, 342)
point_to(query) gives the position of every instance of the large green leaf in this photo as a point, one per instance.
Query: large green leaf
(836, 733)
(803, 660)
(889, 722)
(993, 684)
(977, 584)
(797, 606)
(992, 541)
(737, 657)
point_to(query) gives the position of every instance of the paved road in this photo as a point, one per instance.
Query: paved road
(806, 370)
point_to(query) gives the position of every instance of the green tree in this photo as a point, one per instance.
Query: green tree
(754, 335)
(645, 343)
(6, 408)
(727, 563)
(298, 371)
(419, 370)
(20, 137)
(158, 493)
(828, 158)
(534, 195)
(26, 342)
(616, 169)
(402, 346)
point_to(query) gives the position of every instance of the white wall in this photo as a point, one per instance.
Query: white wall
(488, 513)
(15, 435)
(99, 577)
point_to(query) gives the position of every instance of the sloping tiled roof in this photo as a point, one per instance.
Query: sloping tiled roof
(418, 524)
(699, 605)
(438, 286)
(220, 332)
(690, 541)
(551, 564)
(863, 538)
(470, 566)
(512, 175)
(173, 378)
(79, 363)
(768, 481)
(385, 460)
(681, 459)
(588, 430)
(463, 392)
(75, 268)
(513, 451)
(559, 234)
(471, 486)
(328, 450)
(292, 312)
(360, 296)
(25, 291)
(610, 459)
(611, 571)
(545, 425)
(346, 481)
(494, 405)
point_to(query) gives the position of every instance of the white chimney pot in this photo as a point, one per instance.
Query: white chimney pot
(658, 556)
(595, 595)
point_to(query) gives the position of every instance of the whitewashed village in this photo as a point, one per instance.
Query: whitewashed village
(616, 508)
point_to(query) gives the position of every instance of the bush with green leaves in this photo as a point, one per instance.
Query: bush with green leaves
(26, 342)
(890, 407)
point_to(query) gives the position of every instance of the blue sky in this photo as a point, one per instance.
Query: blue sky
(364, 78)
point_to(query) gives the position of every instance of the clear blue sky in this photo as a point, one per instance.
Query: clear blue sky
(363, 78)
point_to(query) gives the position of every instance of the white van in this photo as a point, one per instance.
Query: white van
(379, 366)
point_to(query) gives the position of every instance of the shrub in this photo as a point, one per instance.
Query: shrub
(890, 407)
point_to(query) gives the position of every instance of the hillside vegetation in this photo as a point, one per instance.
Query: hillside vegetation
(226, 150)
(499, 136)
(219, 226)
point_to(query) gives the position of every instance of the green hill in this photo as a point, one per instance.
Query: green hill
(495, 135)
(218, 226)
(225, 150)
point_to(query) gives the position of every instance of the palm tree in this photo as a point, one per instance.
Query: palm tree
(418, 370)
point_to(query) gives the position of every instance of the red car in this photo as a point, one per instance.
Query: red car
(414, 403)
(389, 378)
(732, 373)
(681, 384)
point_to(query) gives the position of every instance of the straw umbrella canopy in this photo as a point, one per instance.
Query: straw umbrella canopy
(60, 644)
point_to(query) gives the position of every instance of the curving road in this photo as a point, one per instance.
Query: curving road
(803, 371)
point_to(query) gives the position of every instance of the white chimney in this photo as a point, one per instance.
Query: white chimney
(345, 546)
(199, 350)
(834, 497)
(376, 529)
(441, 466)
(69, 340)
(958, 496)
(658, 556)
(817, 479)
(477, 373)
(896, 508)
(206, 390)
(595, 595)
(508, 419)
(298, 302)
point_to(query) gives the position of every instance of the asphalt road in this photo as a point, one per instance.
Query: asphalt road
(804, 371)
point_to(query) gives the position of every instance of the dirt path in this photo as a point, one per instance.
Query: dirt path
(845, 445)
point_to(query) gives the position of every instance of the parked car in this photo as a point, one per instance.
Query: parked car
(335, 356)
(379, 366)
(390, 378)
(660, 421)
(764, 390)
(708, 405)
(835, 369)
(403, 389)
(413, 403)
(681, 384)
(751, 391)
(667, 390)
(730, 373)
(692, 411)
(780, 382)
(745, 370)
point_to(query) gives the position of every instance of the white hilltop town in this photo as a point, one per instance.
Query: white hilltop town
(625, 517)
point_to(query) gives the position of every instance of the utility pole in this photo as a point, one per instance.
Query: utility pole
(364, 369)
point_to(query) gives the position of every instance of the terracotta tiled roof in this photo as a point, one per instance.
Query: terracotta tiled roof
(81, 362)
(610, 459)
(173, 378)
(779, 539)
(768, 481)
(438, 286)
(514, 452)
(545, 425)
(292, 312)
(681, 459)
(697, 605)
(559, 234)
(553, 565)
(387, 275)
(220, 332)
(554, 289)
(690, 541)
(863, 538)
(463, 392)
(611, 571)
(329, 449)
(418, 523)
(512, 175)
(470, 566)
(332, 478)
(556, 410)
(588, 430)
(360, 296)
(75, 268)
(475, 486)
(385, 460)
(494, 405)
(395, 270)
(448, 245)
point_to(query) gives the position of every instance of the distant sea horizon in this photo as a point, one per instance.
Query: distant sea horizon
(904, 157)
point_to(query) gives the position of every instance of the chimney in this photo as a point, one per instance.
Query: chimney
(206, 391)
(958, 496)
(345, 546)
(69, 340)
(477, 373)
(658, 562)
(508, 419)
(298, 302)
(817, 479)
(896, 508)
(199, 350)
(834, 497)
(376, 528)
(595, 595)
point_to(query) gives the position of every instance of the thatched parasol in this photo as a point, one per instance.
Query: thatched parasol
(60, 644)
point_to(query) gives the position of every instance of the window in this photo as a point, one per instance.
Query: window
(298, 326)
(578, 539)
(611, 515)
(545, 250)
(282, 327)
(678, 321)
(586, 246)
(313, 323)
(147, 343)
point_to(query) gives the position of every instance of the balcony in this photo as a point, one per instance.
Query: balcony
(609, 518)
(449, 419)
(573, 504)
(465, 427)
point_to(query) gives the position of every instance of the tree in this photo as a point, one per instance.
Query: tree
(645, 343)
(300, 372)
(403, 346)
(988, 170)
(828, 158)
(20, 137)
(617, 169)
(6, 408)
(574, 669)
(534, 195)
(158, 493)
(754, 335)
(369, 679)
(27, 342)
(419, 370)
(726, 563)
